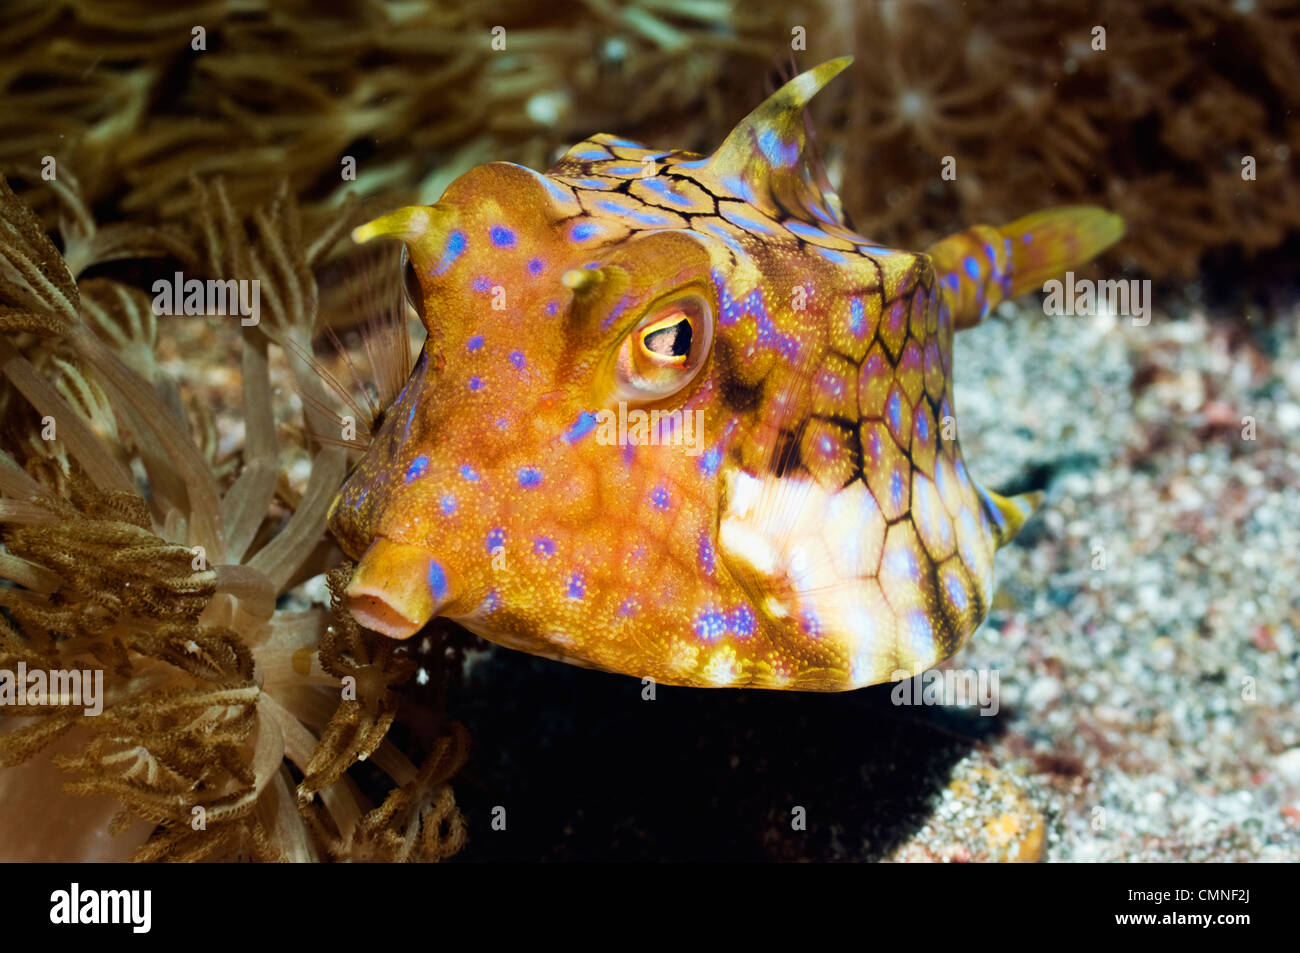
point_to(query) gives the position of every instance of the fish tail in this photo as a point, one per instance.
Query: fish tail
(1047, 243)
(983, 266)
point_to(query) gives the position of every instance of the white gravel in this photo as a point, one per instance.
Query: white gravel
(1156, 699)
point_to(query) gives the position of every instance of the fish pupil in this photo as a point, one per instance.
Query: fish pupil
(672, 341)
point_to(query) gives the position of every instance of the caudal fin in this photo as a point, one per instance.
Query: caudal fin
(983, 266)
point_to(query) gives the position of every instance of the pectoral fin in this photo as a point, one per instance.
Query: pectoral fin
(1008, 513)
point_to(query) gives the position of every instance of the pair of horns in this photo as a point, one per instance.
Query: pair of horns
(765, 159)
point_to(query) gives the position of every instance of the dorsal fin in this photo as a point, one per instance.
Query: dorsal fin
(766, 158)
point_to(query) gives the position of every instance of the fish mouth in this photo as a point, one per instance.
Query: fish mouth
(396, 589)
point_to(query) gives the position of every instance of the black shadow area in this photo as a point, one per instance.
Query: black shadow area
(587, 770)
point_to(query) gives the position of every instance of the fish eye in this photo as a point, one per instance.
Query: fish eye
(666, 349)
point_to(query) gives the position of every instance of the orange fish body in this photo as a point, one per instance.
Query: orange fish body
(675, 419)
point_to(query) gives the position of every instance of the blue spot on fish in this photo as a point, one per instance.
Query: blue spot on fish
(920, 630)
(710, 625)
(437, 581)
(774, 149)
(897, 487)
(456, 242)
(662, 189)
(742, 622)
(806, 231)
(902, 563)
(644, 217)
(750, 221)
(584, 425)
(615, 312)
(895, 409)
(956, 591)
(558, 192)
(419, 466)
(739, 185)
(706, 554)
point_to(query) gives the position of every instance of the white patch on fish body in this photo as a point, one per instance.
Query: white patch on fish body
(806, 552)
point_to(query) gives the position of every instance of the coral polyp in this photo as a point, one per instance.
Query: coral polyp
(138, 549)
